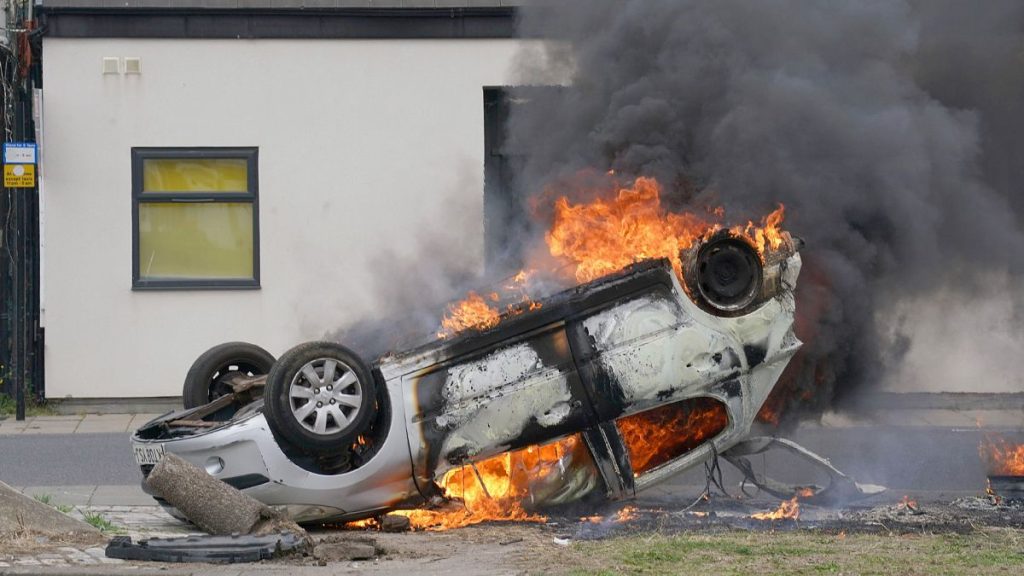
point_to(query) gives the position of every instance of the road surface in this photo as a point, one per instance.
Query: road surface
(902, 458)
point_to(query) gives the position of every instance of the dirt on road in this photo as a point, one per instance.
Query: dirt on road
(962, 535)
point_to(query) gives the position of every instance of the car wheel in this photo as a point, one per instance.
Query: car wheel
(319, 397)
(209, 375)
(729, 274)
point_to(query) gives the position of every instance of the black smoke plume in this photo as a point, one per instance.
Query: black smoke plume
(892, 131)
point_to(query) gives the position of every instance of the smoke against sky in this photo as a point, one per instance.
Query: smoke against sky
(890, 130)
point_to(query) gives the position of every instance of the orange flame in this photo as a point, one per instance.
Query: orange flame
(519, 280)
(1003, 458)
(789, 509)
(605, 236)
(805, 492)
(594, 239)
(365, 523)
(497, 488)
(907, 503)
(626, 514)
(767, 235)
(996, 498)
(656, 436)
(473, 312)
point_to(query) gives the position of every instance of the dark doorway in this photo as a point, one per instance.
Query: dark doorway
(503, 212)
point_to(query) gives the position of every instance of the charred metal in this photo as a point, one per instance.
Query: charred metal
(640, 343)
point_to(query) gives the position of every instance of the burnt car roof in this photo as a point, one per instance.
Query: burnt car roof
(565, 305)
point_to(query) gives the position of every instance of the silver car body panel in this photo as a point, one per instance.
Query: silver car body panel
(456, 403)
(248, 447)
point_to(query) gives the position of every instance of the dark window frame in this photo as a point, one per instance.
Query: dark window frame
(198, 20)
(251, 156)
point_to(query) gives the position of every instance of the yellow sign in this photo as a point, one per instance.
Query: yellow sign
(19, 175)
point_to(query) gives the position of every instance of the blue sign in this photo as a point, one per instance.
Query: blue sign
(19, 152)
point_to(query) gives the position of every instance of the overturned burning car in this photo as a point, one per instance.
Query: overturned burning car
(599, 389)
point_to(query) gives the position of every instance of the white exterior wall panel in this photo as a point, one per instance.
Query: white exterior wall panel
(362, 144)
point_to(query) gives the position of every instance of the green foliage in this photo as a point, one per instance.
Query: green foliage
(48, 500)
(7, 405)
(100, 522)
(32, 408)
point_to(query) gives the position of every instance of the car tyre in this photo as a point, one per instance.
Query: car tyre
(207, 378)
(320, 396)
(729, 274)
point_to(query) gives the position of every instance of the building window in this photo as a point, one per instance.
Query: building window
(195, 218)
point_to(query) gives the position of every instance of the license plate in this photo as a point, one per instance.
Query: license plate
(148, 454)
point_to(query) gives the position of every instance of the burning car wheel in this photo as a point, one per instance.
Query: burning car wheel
(209, 375)
(320, 397)
(729, 274)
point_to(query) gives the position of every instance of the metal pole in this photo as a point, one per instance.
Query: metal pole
(19, 289)
(15, 371)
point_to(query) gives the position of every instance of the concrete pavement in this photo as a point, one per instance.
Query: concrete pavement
(988, 417)
(77, 424)
(90, 496)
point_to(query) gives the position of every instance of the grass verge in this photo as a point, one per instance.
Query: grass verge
(990, 551)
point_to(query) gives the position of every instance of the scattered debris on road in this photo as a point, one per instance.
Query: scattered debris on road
(212, 549)
(212, 505)
(241, 529)
(345, 548)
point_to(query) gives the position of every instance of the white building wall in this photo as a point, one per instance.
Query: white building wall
(362, 144)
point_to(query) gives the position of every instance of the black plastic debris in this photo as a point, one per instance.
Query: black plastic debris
(217, 549)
